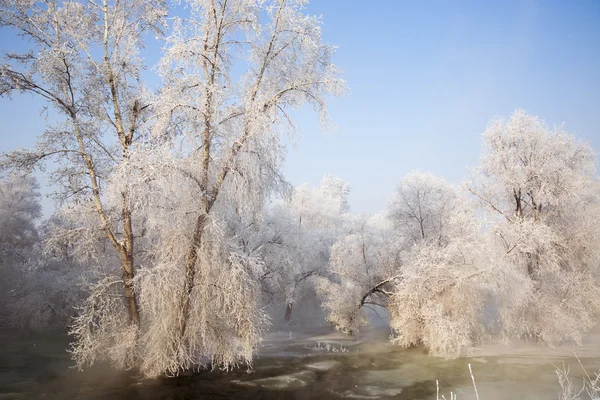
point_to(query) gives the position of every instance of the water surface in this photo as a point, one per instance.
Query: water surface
(289, 366)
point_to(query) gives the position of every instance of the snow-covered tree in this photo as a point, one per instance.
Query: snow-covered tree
(539, 187)
(421, 261)
(440, 298)
(215, 147)
(211, 163)
(364, 266)
(84, 61)
(38, 290)
(19, 211)
(422, 207)
(298, 236)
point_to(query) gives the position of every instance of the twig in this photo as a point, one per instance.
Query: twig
(473, 379)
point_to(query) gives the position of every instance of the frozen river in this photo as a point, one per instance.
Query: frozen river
(289, 366)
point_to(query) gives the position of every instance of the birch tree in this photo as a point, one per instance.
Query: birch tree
(84, 61)
(230, 80)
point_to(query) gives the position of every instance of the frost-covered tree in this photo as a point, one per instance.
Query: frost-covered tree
(50, 289)
(531, 272)
(211, 164)
(421, 208)
(84, 61)
(298, 236)
(19, 211)
(438, 300)
(539, 187)
(37, 290)
(213, 160)
(364, 267)
(421, 261)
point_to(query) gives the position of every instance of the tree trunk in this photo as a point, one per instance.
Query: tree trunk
(288, 311)
(124, 249)
(130, 296)
(190, 273)
(126, 252)
(518, 204)
(533, 261)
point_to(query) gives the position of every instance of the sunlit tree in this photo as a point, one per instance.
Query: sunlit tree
(83, 59)
(539, 187)
(211, 163)
(421, 208)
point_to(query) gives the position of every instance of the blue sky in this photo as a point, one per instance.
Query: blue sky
(425, 78)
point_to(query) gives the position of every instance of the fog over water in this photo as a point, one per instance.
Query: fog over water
(300, 362)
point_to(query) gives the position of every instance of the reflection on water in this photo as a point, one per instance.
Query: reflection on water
(291, 366)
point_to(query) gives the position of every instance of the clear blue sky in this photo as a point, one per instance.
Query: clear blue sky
(424, 79)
